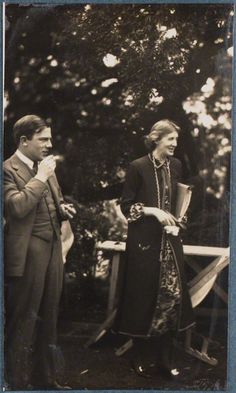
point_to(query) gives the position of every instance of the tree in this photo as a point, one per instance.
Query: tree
(103, 74)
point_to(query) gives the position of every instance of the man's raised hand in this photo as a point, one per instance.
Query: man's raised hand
(46, 168)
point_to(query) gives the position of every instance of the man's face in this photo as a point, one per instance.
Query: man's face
(39, 146)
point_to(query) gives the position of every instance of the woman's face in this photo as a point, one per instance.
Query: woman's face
(167, 144)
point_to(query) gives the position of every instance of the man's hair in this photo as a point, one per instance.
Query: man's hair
(28, 126)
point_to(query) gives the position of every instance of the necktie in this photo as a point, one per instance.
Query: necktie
(35, 167)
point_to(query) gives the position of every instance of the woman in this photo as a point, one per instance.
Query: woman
(155, 300)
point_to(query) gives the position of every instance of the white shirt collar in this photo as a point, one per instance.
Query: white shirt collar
(25, 159)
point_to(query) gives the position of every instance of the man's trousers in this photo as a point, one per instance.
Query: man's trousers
(32, 303)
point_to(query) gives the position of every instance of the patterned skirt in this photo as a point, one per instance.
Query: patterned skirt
(165, 316)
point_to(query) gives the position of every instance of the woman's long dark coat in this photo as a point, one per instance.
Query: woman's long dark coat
(141, 265)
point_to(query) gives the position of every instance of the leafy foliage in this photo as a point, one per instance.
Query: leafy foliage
(102, 75)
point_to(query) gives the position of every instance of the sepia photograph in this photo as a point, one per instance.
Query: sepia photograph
(116, 192)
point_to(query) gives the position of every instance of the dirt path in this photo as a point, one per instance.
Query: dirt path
(98, 367)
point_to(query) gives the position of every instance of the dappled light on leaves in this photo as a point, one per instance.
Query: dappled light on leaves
(110, 60)
(213, 121)
(106, 73)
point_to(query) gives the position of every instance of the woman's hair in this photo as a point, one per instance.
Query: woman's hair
(28, 126)
(158, 131)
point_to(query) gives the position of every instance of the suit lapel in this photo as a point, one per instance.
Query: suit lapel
(53, 184)
(23, 171)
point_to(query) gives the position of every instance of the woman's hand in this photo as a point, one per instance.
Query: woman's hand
(172, 230)
(163, 217)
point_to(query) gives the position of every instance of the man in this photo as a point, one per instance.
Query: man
(34, 209)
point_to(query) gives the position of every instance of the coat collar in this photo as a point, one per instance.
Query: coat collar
(25, 159)
(21, 168)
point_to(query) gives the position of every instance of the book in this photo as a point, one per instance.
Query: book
(184, 194)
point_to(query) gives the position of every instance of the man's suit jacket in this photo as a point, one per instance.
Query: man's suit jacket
(22, 193)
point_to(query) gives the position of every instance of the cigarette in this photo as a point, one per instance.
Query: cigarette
(58, 158)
